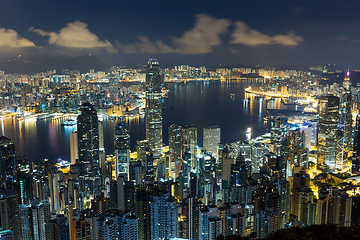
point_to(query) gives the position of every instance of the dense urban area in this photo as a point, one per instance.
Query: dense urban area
(304, 171)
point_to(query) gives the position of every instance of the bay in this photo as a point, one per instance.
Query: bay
(194, 103)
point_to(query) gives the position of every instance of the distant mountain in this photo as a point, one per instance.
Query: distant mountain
(34, 64)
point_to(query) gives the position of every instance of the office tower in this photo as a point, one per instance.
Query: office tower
(153, 109)
(141, 147)
(259, 152)
(122, 149)
(211, 139)
(88, 139)
(356, 148)
(74, 152)
(328, 133)
(240, 171)
(175, 149)
(7, 160)
(345, 122)
(142, 212)
(190, 144)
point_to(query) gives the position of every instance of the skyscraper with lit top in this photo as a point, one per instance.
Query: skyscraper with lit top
(153, 110)
(345, 135)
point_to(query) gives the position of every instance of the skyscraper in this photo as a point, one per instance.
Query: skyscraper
(7, 159)
(88, 147)
(189, 143)
(74, 153)
(153, 110)
(211, 139)
(328, 132)
(122, 149)
(345, 133)
(356, 148)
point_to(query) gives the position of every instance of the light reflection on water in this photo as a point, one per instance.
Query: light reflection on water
(197, 103)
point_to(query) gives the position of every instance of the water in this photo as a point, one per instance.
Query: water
(196, 103)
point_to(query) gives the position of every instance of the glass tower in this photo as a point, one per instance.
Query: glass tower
(153, 110)
(328, 133)
(122, 149)
(88, 147)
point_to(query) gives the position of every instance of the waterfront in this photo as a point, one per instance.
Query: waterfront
(194, 103)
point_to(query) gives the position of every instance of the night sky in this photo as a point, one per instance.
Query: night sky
(193, 32)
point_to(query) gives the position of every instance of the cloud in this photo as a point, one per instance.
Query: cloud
(203, 36)
(75, 35)
(11, 39)
(145, 45)
(243, 34)
(198, 40)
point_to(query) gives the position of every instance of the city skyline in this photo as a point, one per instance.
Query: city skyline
(195, 32)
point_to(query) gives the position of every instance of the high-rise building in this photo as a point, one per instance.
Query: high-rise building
(345, 140)
(122, 149)
(328, 133)
(88, 147)
(211, 139)
(7, 159)
(74, 153)
(356, 148)
(153, 109)
(189, 135)
(175, 149)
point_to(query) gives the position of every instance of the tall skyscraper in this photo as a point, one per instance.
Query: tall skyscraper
(189, 143)
(328, 133)
(175, 149)
(345, 133)
(74, 152)
(7, 159)
(211, 139)
(153, 110)
(122, 149)
(88, 147)
(356, 148)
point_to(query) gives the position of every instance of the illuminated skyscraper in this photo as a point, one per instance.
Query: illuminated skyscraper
(153, 110)
(356, 148)
(7, 159)
(211, 139)
(345, 133)
(189, 143)
(175, 148)
(328, 133)
(74, 153)
(88, 140)
(122, 149)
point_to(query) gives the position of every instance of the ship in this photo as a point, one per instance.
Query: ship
(69, 122)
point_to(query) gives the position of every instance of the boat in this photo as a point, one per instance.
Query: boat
(69, 122)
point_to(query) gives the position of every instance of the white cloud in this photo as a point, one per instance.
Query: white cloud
(145, 45)
(11, 39)
(203, 36)
(243, 34)
(75, 35)
(200, 39)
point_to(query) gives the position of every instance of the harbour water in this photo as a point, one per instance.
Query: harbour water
(194, 103)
